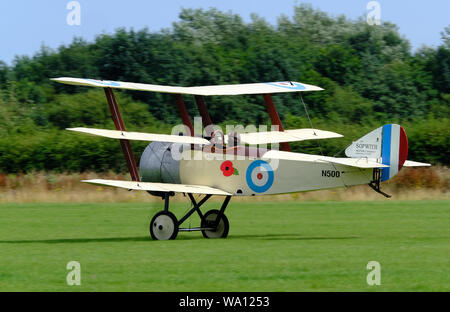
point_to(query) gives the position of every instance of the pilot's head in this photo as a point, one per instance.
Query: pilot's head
(217, 138)
(234, 139)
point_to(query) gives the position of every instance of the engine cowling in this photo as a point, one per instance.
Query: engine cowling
(158, 165)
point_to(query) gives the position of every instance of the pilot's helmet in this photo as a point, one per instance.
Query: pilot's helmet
(217, 138)
(234, 139)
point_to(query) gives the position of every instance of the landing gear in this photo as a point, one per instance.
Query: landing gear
(214, 224)
(212, 228)
(164, 226)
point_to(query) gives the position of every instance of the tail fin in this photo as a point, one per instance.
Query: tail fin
(388, 143)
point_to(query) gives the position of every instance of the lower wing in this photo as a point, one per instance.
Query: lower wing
(159, 187)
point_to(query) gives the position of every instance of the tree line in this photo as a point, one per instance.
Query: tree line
(369, 73)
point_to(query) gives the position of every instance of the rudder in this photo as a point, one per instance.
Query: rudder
(394, 150)
(388, 144)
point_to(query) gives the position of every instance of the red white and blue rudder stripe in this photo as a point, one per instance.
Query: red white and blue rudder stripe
(394, 150)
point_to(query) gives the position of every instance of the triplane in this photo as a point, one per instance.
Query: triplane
(230, 165)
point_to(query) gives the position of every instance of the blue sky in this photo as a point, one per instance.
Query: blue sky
(25, 25)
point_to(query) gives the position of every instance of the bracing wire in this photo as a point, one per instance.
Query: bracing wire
(317, 141)
(309, 119)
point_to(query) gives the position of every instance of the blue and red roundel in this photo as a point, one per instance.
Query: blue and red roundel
(288, 85)
(259, 176)
(105, 82)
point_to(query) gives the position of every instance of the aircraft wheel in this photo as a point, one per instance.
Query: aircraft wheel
(164, 226)
(208, 221)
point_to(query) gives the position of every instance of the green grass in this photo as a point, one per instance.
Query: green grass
(271, 247)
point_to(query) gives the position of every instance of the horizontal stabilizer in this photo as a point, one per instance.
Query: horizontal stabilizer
(286, 136)
(357, 162)
(159, 187)
(234, 89)
(410, 163)
(139, 136)
(353, 162)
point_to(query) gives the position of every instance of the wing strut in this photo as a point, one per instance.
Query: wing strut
(126, 146)
(184, 115)
(275, 119)
(206, 119)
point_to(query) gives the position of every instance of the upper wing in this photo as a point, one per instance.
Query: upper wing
(410, 163)
(115, 134)
(159, 187)
(234, 89)
(254, 88)
(286, 136)
(353, 162)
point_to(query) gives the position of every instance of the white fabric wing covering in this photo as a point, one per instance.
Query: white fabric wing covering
(287, 136)
(249, 138)
(139, 136)
(159, 187)
(234, 89)
(410, 163)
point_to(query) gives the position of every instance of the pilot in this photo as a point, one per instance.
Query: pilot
(217, 139)
(234, 139)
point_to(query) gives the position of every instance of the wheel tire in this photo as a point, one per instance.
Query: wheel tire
(164, 226)
(222, 228)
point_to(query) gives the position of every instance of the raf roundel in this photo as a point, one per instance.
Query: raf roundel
(259, 176)
(288, 85)
(105, 83)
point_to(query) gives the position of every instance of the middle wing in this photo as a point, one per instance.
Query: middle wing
(159, 187)
(249, 138)
(270, 137)
(140, 136)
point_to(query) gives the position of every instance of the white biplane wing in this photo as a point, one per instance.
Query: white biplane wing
(353, 162)
(410, 163)
(159, 187)
(234, 89)
(248, 138)
(140, 136)
(270, 137)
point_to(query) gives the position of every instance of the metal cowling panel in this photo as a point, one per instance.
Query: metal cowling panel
(157, 164)
(170, 168)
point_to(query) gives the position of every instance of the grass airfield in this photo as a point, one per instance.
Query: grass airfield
(272, 246)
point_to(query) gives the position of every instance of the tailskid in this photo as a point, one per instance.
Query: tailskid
(375, 183)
